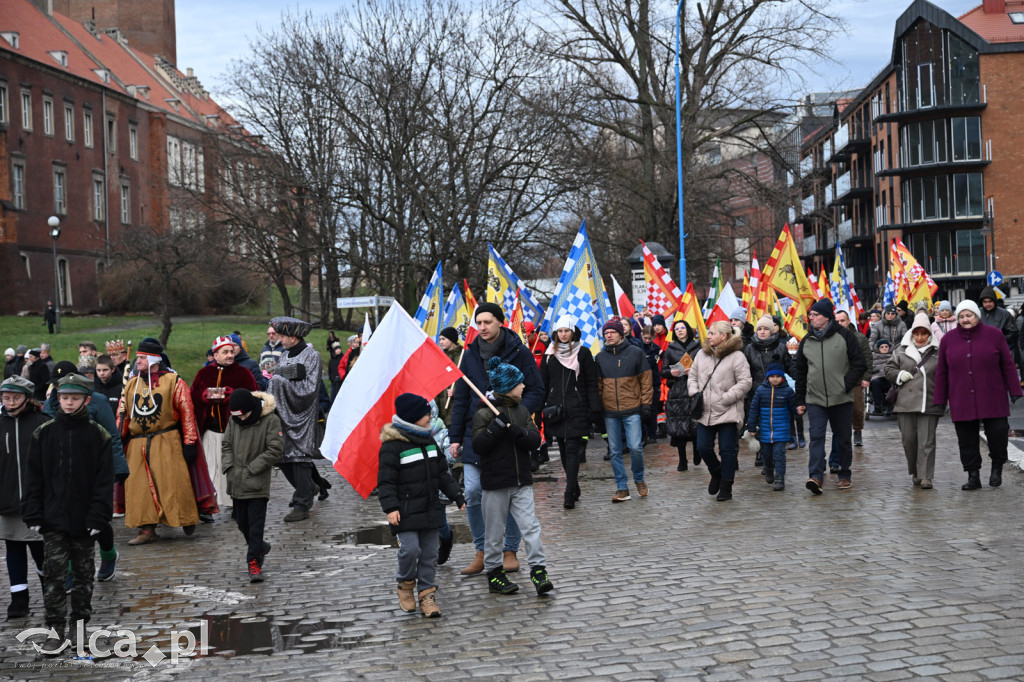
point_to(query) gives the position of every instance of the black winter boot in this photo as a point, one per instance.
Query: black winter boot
(19, 605)
(995, 479)
(973, 481)
(498, 582)
(716, 482)
(682, 466)
(444, 550)
(539, 578)
(725, 493)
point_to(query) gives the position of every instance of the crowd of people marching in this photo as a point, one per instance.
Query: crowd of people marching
(108, 437)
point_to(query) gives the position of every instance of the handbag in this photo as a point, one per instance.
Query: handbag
(697, 399)
(890, 395)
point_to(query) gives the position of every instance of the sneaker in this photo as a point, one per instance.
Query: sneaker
(118, 515)
(916, 481)
(858, 438)
(833, 470)
(325, 492)
(802, 441)
(792, 445)
(498, 582)
(642, 489)
(107, 567)
(255, 572)
(428, 604)
(296, 515)
(926, 484)
(206, 518)
(621, 496)
(539, 578)
(814, 485)
(845, 484)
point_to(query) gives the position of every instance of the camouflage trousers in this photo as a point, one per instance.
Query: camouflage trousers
(58, 550)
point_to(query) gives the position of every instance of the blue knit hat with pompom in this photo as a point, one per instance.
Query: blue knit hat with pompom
(503, 376)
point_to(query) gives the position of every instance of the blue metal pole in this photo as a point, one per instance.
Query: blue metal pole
(680, 11)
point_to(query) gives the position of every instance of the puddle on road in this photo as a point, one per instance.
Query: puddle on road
(243, 634)
(381, 536)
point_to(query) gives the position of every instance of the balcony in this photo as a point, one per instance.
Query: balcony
(905, 115)
(810, 245)
(792, 215)
(807, 205)
(830, 239)
(828, 194)
(843, 184)
(841, 140)
(806, 166)
(826, 148)
(845, 231)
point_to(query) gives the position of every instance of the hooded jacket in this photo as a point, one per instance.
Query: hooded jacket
(917, 395)
(1000, 318)
(828, 369)
(883, 329)
(624, 379)
(70, 483)
(15, 439)
(101, 413)
(505, 452)
(771, 409)
(411, 472)
(249, 452)
(465, 403)
(724, 375)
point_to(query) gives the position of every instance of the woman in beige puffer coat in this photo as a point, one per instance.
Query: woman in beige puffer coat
(721, 371)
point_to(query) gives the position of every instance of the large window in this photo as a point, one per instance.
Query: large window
(133, 142)
(47, 116)
(69, 122)
(968, 197)
(4, 106)
(935, 251)
(923, 76)
(966, 134)
(970, 252)
(964, 74)
(99, 204)
(87, 128)
(924, 143)
(926, 198)
(126, 203)
(26, 110)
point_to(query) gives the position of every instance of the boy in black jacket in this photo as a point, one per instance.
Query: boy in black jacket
(411, 472)
(68, 498)
(504, 442)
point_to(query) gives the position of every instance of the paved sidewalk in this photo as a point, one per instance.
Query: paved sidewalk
(881, 582)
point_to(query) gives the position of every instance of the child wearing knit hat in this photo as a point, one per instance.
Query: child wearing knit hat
(771, 413)
(504, 442)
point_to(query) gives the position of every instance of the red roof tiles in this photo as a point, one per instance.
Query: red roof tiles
(995, 27)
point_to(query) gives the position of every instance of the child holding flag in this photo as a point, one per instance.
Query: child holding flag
(412, 470)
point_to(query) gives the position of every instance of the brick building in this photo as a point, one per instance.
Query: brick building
(929, 152)
(96, 132)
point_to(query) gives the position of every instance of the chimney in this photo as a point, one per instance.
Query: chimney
(44, 6)
(993, 6)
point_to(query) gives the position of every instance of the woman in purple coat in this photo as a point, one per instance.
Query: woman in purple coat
(975, 373)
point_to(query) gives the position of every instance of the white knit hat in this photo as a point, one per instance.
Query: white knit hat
(564, 322)
(970, 305)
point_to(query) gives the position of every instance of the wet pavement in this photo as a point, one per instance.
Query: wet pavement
(881, 582)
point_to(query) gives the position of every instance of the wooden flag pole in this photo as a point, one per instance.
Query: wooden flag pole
(458, 364)
(480, 395)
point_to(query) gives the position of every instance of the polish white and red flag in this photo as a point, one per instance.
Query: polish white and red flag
(663, 296)
(725, 306)
(622, 302)
(401, 359)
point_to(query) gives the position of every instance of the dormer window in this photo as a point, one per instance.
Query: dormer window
(174, 102)
(59, 56)
(103, 74)
(12, 38)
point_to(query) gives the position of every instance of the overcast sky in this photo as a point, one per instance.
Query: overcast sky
(213, 32)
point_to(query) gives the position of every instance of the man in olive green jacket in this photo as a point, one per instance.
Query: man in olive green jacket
(829, 363)
(252, 445)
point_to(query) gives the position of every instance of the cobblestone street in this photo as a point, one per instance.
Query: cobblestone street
(881, 582)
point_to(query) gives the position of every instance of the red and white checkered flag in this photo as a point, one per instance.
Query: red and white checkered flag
(663, 296)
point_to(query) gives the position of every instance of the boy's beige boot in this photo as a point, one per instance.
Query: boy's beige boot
(406, 599)
(475, 566)
(427, 604)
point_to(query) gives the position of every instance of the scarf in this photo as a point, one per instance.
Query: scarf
(410, 429)
(489, 350)
(567, 353)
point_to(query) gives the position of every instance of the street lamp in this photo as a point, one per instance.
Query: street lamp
(54, 223)
(680, 11)
(985, 231)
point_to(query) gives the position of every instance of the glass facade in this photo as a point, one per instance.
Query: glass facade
(951, 253)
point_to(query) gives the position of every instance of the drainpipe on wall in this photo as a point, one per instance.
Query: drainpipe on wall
(106, 187)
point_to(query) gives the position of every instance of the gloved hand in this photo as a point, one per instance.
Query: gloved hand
(645, 412)
(292, 372)
(903, 377)
(190, 452)
(227, 392)
(93, 532)
(36, 529)
(518, 432)
(1014, 398)
(597, 417)
(498, 428)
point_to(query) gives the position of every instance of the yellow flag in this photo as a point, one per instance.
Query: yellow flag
(689, 312)
(785, 274)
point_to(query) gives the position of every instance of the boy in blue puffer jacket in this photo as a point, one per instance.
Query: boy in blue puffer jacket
(773, 406)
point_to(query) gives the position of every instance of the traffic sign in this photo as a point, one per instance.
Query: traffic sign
(995, 278)
(365, 301)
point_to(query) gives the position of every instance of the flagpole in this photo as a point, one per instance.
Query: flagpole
(480, 395)
(457, 364)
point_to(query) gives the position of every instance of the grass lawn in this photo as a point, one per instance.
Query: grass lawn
(186, 347)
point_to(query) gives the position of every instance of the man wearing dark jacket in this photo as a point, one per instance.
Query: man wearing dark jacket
(243, 359)
(493, 341)
(996, 316)
(829, 363)
(624, 383)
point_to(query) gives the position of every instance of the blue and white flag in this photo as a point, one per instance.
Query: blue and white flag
(889, 295)
(428, 314)
(581, 294)
(501, 289)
